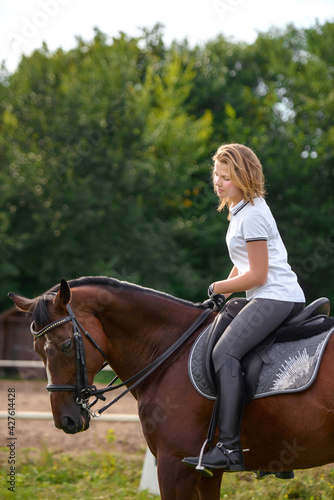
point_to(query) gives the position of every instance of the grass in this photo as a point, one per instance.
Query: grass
(88, 476)
(315, 484)
(40, 474)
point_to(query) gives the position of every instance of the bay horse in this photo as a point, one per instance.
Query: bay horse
(131, 326)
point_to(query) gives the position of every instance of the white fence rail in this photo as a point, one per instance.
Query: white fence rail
(44, 415)
(11, 363)
(39, 415)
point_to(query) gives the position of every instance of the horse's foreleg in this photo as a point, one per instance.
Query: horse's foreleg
(179, 482)
(209, 487)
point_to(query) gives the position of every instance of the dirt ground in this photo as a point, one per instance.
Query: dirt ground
(33, 396)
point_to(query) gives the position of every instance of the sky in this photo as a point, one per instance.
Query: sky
(26, 24)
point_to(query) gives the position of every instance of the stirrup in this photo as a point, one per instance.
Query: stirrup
(203, 470)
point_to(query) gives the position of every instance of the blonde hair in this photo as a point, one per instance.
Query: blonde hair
(245, 171)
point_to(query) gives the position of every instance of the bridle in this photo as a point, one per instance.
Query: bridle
(82, 389)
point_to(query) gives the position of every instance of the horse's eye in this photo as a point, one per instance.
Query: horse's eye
(66, 346)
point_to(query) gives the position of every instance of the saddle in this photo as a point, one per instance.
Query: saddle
(311, 321)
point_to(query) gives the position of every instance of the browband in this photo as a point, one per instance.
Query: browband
(49, 327)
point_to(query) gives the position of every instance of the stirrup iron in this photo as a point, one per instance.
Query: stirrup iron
(199, 466)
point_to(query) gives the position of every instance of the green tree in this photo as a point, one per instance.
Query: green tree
(93, 153)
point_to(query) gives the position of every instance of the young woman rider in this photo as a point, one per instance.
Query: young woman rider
(260, 268)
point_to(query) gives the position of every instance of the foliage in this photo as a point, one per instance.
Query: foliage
(105, 154)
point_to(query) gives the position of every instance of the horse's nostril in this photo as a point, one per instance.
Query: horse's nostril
(68, 424)
(72, 425)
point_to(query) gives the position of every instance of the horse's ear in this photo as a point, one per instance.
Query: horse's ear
(22, 303)
(63, 296)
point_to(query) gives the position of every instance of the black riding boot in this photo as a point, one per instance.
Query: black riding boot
(227, 453)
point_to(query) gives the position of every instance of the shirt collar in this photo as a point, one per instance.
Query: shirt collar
(239, 206)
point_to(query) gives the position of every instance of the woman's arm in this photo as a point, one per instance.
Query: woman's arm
(232, 274)
(256, 276)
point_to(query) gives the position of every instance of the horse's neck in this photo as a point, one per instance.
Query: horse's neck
(140, 330)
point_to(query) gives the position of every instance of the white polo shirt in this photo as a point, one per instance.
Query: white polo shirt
(256, 223)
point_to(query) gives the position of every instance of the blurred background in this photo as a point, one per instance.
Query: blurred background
(110, 115)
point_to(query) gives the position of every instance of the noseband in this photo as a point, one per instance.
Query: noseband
(82, 389)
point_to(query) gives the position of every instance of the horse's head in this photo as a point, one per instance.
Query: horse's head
(71, 356)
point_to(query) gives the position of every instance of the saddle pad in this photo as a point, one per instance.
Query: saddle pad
(293, 366)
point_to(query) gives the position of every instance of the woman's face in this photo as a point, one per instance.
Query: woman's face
(223, 185)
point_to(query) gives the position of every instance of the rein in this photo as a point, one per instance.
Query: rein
(85, 391)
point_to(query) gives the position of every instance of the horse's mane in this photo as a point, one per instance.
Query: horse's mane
(40, 313)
